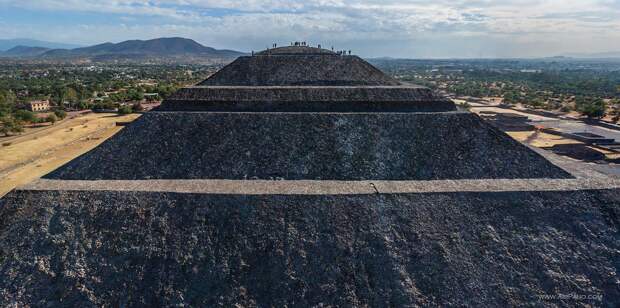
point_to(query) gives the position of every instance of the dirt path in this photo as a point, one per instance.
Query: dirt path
(31, 156)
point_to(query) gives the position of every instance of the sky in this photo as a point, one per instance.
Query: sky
(371, 28)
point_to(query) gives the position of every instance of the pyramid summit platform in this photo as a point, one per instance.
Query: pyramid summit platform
(304, 79)
(302, 177)
(299, 66)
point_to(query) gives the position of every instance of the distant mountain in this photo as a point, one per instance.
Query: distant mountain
(598, 55)
(6, 44)
(135, 49)
(24, 52)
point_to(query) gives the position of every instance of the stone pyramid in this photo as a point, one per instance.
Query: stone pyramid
(302, 177)
(285, 114)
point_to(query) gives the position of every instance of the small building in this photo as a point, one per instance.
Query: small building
(39, 105)
(151, 97)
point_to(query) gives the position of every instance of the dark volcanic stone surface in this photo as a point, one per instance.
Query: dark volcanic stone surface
(307, 99)
(298, 70)
(160, 249)
(310, 146)
(439, 105)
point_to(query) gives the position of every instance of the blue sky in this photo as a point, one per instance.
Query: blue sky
(398, 28)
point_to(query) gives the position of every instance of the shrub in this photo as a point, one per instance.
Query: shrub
(9, 125)
(25, 116)
(465, 105)
(592, 108)
(124, 110)
(61, 114)
(51, 118)
(536, 103)
(82, 105)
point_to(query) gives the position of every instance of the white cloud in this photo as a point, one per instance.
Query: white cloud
(375, 27)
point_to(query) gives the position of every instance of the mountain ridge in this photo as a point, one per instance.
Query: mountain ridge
(595, 55)
(170, 47)
(154, 47)
(6, 44)
(24, 51)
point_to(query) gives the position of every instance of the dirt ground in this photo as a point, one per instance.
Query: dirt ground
(534, 138)
(37, 152)
(540, 140)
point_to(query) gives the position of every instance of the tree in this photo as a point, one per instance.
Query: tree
(135, 95)
(591, 107)
(9, 125)
(25, 116)
(61, 114)
(535, 102)
(82, 105)
(117, 97)
(70, 95)
(5, 108)
(165, 90)
(124, 110)
(511, 98)
(57, 94)
(7, 102)
(51, 118)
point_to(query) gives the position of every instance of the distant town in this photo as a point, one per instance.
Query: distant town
(565, 105)
(39, 94)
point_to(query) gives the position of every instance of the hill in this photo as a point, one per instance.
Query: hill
(136, 49)
(24, 52)
(598, 55)
(6, 44)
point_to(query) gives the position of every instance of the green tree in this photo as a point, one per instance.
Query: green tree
(135, 95)
(25, 116)
(83, 105)
(117, 97)
(70, 95)
(51, 118)
(535, 101)
(591, 107)
(511, 97)
(5, 108)
(124, 110)
(9, 125)
(7, 102)
(57, 94)
(61, 114)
